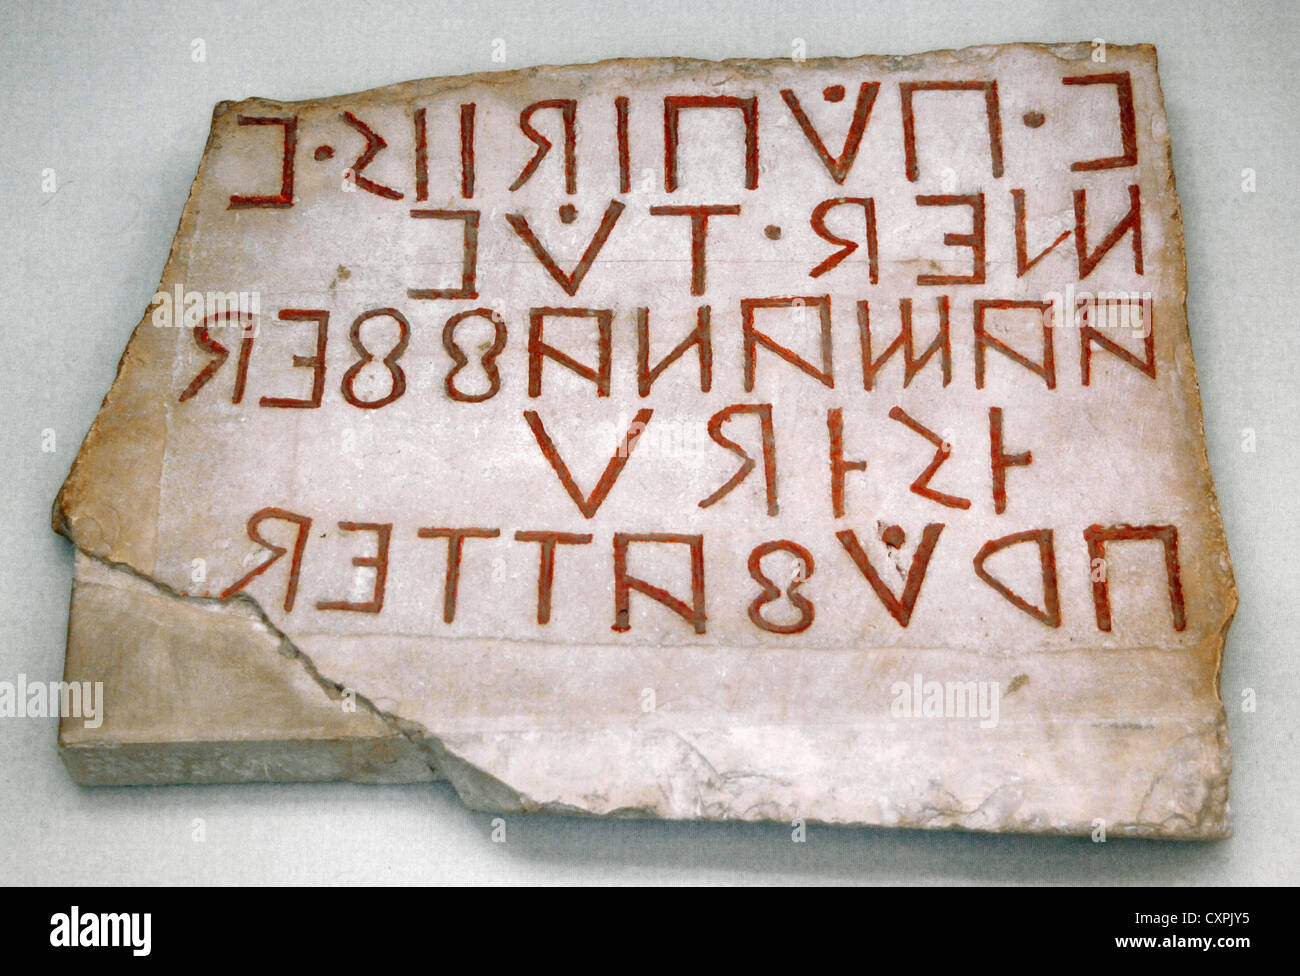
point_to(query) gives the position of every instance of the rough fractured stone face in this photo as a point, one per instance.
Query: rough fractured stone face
(916, 529)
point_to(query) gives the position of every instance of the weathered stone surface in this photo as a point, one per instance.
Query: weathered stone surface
(937, 651)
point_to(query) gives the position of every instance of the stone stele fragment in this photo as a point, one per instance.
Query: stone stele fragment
(749, 440)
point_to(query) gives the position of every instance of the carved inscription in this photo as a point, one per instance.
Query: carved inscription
(919, 292)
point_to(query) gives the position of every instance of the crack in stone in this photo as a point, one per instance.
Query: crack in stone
(464, 777)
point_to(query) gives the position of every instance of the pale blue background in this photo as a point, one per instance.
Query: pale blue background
(107, 95)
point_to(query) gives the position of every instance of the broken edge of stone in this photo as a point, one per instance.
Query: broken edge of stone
(311, 737)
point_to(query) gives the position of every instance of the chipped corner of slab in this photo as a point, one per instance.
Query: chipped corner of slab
(724, 717)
